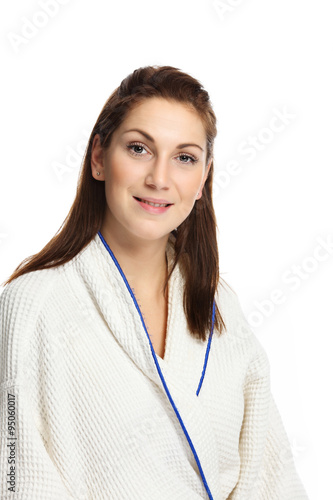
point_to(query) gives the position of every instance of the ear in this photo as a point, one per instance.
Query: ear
(97, 163)
(204, 180)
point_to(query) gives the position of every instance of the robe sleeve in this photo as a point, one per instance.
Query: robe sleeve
(27, 471)
(267, 468)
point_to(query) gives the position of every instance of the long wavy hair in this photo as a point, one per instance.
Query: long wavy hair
(196, 243)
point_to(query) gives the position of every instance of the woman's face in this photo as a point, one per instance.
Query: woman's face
(165, 168)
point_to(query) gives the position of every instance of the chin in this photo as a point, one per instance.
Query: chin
(152, 235)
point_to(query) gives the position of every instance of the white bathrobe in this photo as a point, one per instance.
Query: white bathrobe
(89, 411)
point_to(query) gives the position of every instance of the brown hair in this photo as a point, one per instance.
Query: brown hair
(196, 243)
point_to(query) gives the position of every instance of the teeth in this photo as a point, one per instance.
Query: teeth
(154, 204)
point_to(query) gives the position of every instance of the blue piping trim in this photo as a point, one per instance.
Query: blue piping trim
(207, 350)
(159, 369)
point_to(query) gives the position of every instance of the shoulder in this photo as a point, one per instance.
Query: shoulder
(25, 293)
(20, 304)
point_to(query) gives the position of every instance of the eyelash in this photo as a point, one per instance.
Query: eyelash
(132, 144)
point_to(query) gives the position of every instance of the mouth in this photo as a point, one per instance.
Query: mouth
(153, 204)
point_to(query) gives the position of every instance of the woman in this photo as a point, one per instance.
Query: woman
(129, 370)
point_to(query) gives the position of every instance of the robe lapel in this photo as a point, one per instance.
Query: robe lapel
(179, 373)
(182, 367)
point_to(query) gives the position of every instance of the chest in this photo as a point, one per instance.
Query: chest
(155, 315)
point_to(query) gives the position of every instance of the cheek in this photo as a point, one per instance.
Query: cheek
(190, 187)
(117, 178)
(187, 193)
(120, 174)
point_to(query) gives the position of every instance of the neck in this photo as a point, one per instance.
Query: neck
(145, 264)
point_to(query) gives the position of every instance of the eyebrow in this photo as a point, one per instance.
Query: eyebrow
(180, 146)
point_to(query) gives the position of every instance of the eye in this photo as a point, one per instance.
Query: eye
(188, 157)
(135, 145)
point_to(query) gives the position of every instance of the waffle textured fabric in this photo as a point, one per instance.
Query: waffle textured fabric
(90, 411)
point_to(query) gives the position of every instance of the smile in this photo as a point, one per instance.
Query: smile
(153, 208)
(152, 204)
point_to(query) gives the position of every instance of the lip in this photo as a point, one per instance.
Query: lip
(150, 209)
(153, 200)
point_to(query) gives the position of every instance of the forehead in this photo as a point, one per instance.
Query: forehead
(159, 116)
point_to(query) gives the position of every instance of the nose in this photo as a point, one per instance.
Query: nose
(158, 174)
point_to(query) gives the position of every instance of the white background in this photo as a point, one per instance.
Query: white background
(256, 58)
